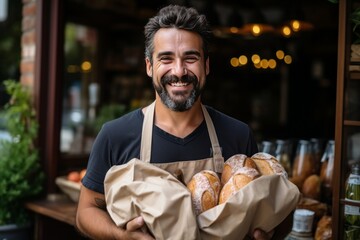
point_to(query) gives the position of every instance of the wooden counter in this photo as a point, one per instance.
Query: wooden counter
(54, 218)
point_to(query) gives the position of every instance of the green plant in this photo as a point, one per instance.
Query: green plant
(107, 113)
(21, 176)
(355, 19)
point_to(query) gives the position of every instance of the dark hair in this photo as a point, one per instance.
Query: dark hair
(181, 17)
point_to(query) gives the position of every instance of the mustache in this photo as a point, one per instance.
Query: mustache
(173, 79)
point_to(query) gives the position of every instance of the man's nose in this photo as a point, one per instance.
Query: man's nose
(180, 70)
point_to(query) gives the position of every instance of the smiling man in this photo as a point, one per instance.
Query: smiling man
(183, 130)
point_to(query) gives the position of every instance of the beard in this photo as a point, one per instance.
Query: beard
(179, 102)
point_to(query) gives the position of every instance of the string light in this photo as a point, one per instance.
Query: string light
(259, 62)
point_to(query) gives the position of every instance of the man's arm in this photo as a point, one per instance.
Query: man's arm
(94, 222)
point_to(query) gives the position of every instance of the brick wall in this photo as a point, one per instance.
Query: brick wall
(28, 39)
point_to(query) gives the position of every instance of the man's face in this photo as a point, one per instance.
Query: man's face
(179, 69)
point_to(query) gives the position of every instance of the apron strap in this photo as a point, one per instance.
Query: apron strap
(146, 138)
(216, 149)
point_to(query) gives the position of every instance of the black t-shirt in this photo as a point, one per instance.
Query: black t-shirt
(119, 141)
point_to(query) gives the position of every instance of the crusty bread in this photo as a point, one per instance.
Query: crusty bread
(324, 228)
(233, 163)
(238, 180)
(311, 187)
(268, 164)
(205, 188)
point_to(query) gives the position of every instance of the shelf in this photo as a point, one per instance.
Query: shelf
(57, 207)
(349, 202)
(352, 123)
(355, 60)
(355, 75)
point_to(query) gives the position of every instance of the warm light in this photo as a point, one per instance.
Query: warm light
(272, 63)
(280, 54)
(243, 60)
(286, 31)
(234, 30)
(86, 66)
(234, 62)
(288, 59)
(295, 25)
(255, 58)
(256, 30)
(264, 63)
(257, 65)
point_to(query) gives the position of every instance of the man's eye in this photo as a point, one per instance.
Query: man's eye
(191, 59)
(165, 59)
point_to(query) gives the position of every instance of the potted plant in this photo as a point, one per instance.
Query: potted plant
(21, 177)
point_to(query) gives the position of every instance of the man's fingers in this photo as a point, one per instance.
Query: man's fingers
(262, 235)
(135, 224)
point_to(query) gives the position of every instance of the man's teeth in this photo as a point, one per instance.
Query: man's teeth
(179, 84)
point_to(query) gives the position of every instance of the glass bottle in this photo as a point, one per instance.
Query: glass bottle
(326, 172)
(352, 212)
(267, 147)
(317, 151)
(282, 155)
(304, 161)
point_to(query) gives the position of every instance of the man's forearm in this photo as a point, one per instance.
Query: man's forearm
(96, 223)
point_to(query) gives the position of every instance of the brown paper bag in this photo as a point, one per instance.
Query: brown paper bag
(264, 203)
(142, 189)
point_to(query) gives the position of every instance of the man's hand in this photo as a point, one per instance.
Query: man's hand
(136, 229)
(262, 235)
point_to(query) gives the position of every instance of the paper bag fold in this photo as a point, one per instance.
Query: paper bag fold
(141, 189)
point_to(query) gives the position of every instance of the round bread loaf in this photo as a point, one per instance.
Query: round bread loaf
(311, 187)
(268, 164)
(205, 188)
(233, 164)
(238, 180)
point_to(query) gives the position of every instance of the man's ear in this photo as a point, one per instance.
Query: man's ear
(148, 67)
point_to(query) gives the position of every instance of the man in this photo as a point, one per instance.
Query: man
(176, 49)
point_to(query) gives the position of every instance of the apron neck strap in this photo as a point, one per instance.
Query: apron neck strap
(146, 137)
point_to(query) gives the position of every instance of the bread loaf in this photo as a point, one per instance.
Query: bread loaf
(268, 164)
(311, 187)
(233, 164)
(237, 181)
(205, 188)
(324, 228)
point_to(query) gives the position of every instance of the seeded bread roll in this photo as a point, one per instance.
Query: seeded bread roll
(238, 180)
(205, 188)
(233, 164)
(268, 164)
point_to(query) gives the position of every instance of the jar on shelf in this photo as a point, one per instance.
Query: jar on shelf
(326, 172)
(282, 154)
(303, 165)
(352, 207)
(302, 228)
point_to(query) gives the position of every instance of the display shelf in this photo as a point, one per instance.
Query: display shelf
(355, 75)
(347, 127)
(347, 202)
(351, 123)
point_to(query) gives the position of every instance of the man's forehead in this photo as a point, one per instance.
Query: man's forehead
(172, 39)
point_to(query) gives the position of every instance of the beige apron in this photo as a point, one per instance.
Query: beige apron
(140, 186)
(142, 189)
(186, 169)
